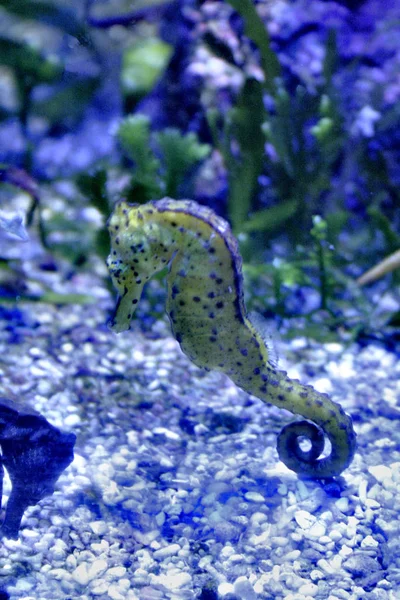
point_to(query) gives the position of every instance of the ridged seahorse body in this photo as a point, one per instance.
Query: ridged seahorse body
(208, 317)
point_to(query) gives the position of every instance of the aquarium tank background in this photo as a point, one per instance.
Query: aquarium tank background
(199, 299)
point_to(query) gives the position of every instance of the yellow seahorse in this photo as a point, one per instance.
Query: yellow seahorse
(208, 318)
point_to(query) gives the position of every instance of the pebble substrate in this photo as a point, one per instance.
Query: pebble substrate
(176, 490)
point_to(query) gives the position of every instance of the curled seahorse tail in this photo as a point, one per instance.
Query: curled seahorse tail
(327, 418)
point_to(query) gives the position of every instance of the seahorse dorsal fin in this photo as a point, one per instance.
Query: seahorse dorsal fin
(264, 328)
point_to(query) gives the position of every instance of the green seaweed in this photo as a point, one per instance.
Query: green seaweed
(142, 65)
(29, 63)
(256, 31)
(319, 235)
(305, 152)
(72, 93)
(383, 224)
(94, 187)
(162, 161)
(49, 13)
(304, 134)
(242, 146)
(134, 136)
(180, 154)
(33, 66)
(270, 285)
(341, 308)
(270, 219)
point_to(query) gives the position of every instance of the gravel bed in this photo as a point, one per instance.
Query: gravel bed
(176, 490)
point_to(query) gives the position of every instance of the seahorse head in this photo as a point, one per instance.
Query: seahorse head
(140, 247)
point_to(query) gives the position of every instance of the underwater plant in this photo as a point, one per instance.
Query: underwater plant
(152, 177)
(45, 84)
(34, 453)
(209, 320)
(243, 159)
(272, 131)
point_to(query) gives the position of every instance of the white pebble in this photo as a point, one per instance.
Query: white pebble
(79, 463)
(304, 519)
(323, 385)
(299, 343)
(173, 581)
(317, 530)
(236, 558)
(324, 565)
(101, 547)
(309, 589)
(80, 574)
(170, 435)
(106, 469)
(282, 489)
(340, 595)
(254, 497)
(96, 568)
(59, 550)
(302, 490)
(153, 385)
(224, 475)
(116, 572)
(145, 559)
(160, 518)
(244, 589)
(115, 593)
(70, 561)
(293, 555)
(27, 533)
(342, 504)
(226, 552)
(87, 572)
(72, 420)
(369, 542)
(98, 527)
(225, 588)
(277, 541)
(333, 348)
(23, 586)
(335, 535)
(370, 503)
(276, 573)
(124, 584)
(345, 551)
(60, 574)
(100, 586)
(325, 539)
(381, 472)
(119, 461)
(344, 370)
(169, 550)
(42, 545)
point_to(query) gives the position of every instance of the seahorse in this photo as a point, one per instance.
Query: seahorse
(206, 308)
